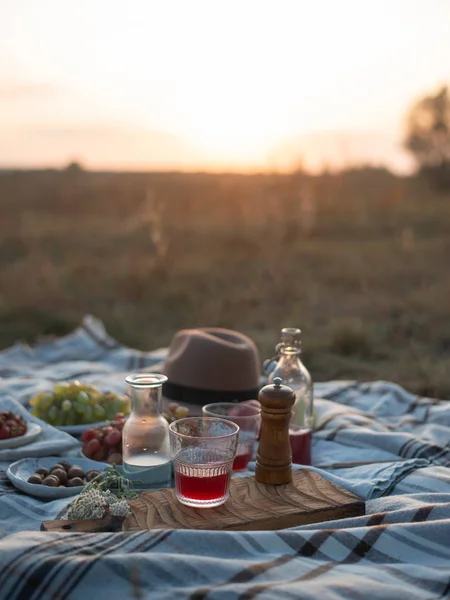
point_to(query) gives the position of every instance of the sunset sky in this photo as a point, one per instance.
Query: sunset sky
(212, 84)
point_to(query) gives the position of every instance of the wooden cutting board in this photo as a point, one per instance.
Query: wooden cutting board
(310, 498)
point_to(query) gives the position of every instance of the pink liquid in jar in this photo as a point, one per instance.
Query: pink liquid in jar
(300, 439)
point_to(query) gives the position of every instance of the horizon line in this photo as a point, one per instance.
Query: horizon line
(324, 169)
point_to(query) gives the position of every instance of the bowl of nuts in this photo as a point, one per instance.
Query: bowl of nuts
(53, 478)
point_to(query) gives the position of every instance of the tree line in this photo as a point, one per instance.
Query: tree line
(428, 137)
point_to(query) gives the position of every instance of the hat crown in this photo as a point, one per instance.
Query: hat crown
(213, 358)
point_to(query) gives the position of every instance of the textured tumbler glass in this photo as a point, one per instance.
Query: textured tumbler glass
(248, 417)
(203, 451)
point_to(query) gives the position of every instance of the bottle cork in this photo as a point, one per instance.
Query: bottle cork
(274, 458)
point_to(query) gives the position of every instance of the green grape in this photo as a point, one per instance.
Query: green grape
(41, 400)
(124, 405)
(77, 419)
(90, 390)
(62, 417)
(70, 417)
(38, 412)
(66, 405)
(43, 414)
(46, 401)
(82, 398)
(94, 400)
(88, 414)
(35, 400)
(109, 413)
(78, 408)
(82, 410)
(53, 415)
(110, 408)
(61, 389)
(75, 403)
(59, 420)
(99, 412)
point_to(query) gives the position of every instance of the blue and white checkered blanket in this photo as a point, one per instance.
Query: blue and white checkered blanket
(400, 549)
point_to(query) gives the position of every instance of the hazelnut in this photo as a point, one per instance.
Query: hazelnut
(61, 475)
(65, 464)
(36, 478)
(75, 481)
(57, 466)
(75, 471)
(90, 475)
(42, 471)
(51, 481)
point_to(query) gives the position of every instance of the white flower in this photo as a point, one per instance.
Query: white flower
(120, 509)
(94, 504)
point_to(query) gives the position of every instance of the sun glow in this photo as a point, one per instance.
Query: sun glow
(217, 82)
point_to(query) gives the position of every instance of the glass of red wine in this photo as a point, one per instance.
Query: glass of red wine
(203, 451)
(248, 417)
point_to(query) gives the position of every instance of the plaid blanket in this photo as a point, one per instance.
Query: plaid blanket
(399, 549)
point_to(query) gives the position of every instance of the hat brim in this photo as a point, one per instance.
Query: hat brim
(190, 395)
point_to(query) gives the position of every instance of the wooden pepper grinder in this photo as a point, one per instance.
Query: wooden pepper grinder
(274, 458)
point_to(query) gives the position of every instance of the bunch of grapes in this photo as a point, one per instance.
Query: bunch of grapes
(11, 425)
(174, 412)
(75, 403)
(105, 443)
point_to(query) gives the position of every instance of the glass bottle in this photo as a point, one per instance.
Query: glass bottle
(295, 375)
(145, 443)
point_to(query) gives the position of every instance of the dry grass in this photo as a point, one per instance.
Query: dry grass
(359, 261)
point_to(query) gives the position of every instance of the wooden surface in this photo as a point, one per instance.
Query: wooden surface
(109, 523)
(309, 498)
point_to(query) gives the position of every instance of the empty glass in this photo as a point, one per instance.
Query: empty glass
(248, 417)
(203, 451)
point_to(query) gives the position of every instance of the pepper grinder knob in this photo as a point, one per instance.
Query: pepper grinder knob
(274, 458)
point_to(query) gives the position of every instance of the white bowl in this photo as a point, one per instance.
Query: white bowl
(79, 429)
(19, 472)
(33, 431)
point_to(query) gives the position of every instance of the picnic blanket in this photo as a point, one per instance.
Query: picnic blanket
(399, 549)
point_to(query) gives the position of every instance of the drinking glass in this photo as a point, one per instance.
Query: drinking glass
(203, 451)
(248, 417)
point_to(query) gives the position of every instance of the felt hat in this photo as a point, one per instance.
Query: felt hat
(211, 365)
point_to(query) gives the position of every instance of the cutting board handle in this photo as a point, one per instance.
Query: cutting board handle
(109, 523)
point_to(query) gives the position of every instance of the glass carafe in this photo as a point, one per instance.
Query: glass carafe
(145, 445)
(287, 364)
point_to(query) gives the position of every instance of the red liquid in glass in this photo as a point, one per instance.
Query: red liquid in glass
(241, 461)
(202, 488)
(301, 446)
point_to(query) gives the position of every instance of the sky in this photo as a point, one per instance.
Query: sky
(215, 84)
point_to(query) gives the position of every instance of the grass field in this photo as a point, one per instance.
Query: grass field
(360, 261)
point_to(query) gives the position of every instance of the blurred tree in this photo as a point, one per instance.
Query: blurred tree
(74, 168)
(428, 137)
